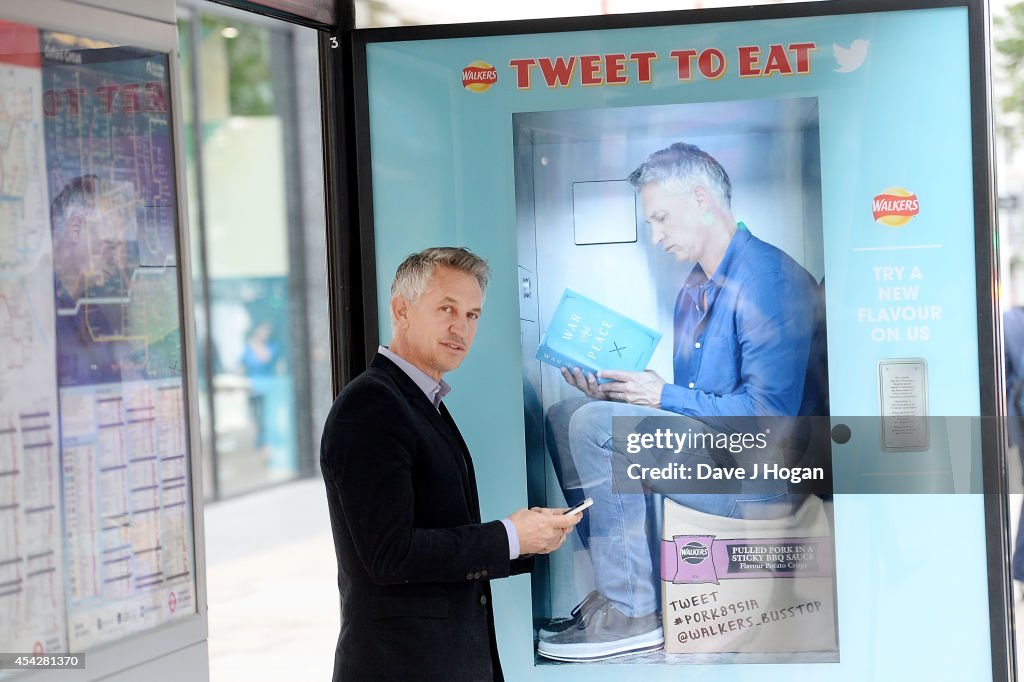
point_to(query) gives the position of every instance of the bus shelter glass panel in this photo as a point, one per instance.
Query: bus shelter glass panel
(247, 228)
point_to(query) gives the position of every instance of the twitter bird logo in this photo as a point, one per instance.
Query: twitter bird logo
(850, 58)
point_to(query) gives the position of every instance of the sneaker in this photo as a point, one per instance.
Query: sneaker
(562, 624)
(603, 632)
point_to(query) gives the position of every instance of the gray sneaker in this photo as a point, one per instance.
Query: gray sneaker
(562, 624)
(602, 632)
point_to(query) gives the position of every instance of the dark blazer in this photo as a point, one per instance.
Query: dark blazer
(414, 560)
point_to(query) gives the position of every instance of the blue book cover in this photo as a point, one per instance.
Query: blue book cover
(585, 334)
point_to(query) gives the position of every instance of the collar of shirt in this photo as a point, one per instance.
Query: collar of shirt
(698, 280)
(434, 390)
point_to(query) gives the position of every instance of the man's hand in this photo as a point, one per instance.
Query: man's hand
(542, 531)
(585, 382)
(635, 388)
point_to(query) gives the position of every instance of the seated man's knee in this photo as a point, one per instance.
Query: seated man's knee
(557, 416)
(592, 422)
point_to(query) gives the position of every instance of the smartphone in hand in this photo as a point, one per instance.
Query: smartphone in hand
(578, 509)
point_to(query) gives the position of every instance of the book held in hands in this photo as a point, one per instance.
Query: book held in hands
(585, 334)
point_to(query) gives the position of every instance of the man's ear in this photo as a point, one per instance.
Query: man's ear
(400, 311)
(702, 196)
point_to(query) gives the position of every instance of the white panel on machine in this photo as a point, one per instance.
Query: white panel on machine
(604, 212)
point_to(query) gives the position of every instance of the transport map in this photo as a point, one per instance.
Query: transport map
(95, 516)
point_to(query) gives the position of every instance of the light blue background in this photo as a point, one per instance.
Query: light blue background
(443, 174)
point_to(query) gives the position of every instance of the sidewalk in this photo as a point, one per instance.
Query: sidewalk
(271, 582)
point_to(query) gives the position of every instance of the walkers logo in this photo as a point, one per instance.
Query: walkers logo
(894, 207)
(479, 76)
(687, 559)
(693, 552)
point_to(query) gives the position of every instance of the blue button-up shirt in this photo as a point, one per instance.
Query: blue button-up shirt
(742, 337)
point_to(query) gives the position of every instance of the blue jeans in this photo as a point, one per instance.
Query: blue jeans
(619, 551)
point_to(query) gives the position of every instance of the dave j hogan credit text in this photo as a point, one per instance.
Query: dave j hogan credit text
(707, 472)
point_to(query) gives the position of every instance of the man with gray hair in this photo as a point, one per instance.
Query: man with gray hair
(414, 559)
(743, 325)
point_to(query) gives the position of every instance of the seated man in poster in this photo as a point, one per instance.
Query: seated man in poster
(743, 325)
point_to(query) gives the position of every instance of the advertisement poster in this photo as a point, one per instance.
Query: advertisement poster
(112, 206)
(776, 208)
